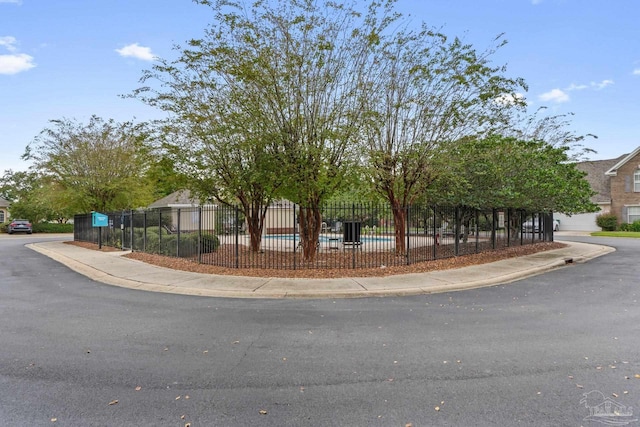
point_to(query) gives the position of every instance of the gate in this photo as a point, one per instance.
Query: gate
(126, 227)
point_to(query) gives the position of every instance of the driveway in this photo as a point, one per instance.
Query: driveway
(83, 353)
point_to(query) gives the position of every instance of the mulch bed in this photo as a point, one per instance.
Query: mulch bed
(327, 264)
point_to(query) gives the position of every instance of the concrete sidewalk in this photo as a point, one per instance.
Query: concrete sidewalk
(114, 269)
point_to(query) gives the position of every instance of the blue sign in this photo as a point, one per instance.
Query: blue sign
(99, 220)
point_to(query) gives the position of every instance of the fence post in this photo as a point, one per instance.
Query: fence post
(408, 214)
(509, 227)
(131, 227)
(160, 230)
(144, 231)
(456, 231)
(353, 219)
(178, 238)
(494, 224)
(521, 227)
(122, 230)
(237, 245)
(477, 231)
(199, 252)
(296, 230)
(435, 233)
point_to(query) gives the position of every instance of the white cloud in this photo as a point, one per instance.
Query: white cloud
(592, 85)
(15, 63)
(534, 2)
(555, 95)
(574, 86)
(636, 72)
(602, 84)
(136, 51)
(18, 2)
(8, 43)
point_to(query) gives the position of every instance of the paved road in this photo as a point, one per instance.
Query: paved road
(518, 354)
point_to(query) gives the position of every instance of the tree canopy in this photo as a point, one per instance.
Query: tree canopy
(95, 166)
(507, 172)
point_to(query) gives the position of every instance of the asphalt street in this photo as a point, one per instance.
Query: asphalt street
(74, 352)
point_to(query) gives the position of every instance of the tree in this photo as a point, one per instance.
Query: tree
(425, 92)
(34, 197)
(269, 103)
(506, 172)
(95, 166)
(217, 135)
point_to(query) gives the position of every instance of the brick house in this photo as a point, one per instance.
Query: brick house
(616, 183)
(624, 179)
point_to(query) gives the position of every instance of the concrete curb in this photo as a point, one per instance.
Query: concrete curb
(498, 273)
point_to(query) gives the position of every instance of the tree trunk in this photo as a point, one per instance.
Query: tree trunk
(310, 225)
(400, 221)
(255, 214)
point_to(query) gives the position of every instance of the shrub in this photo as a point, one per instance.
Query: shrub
(608, 221)
(48, 227)
(209, 243)
(635, 226)
(624, 227)
(168, 246)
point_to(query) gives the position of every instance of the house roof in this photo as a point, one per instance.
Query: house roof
(613, 171)
(4, 203)
(180, 197)
(597, 177)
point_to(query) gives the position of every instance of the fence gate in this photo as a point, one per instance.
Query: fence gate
(126, 227)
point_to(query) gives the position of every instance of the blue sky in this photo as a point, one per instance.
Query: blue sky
(73, 58)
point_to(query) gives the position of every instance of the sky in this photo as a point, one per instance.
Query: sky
(75, 58)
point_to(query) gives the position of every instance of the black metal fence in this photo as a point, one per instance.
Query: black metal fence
(351, 236)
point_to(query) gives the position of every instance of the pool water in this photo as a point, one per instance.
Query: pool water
(325, 239)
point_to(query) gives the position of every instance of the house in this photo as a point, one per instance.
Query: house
(280, 217)
(625, 187)
(617, 186)
(4, 210)
(185, 215)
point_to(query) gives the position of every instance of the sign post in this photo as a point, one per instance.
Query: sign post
(99, 220)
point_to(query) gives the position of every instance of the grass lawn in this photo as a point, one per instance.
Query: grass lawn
(616, 234)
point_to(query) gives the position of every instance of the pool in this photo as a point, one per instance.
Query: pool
(326, 239)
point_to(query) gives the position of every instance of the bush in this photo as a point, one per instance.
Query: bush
(209, 243)
(635, 226)
(624, 227)
(48, 227)
(168, 246)
(608, 222)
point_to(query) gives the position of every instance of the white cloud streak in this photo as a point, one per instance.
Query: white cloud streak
(18, 2)
(8, 43)
(593, 85)
(636, 72)
(136, 51)
(559, 96)
(555, 95)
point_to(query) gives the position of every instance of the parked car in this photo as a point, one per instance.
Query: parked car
(18, 225)
(528, 226)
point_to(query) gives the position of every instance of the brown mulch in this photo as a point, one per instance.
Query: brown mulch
(330, 259)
